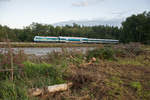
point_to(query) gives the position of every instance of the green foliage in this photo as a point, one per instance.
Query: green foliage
(43, 74)
(136, 28)
(33, 69)
(144, 94)
(12, 91)
(102, 53)
(136, 85)
(138, 88)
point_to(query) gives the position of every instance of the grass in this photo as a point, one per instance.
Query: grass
(141, 60)
(119, 73)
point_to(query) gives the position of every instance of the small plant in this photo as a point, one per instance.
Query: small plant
(136, 85)
(138, 88)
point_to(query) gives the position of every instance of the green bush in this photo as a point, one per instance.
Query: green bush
(42, 74)
(102, 53)
(33, 70)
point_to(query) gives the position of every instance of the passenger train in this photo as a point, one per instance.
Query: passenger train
(62, 39)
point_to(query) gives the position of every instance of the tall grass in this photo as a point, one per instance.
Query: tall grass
(11, 91)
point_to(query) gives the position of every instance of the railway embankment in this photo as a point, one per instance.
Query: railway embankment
(36, 45)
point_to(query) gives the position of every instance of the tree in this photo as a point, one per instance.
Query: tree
(136, 28)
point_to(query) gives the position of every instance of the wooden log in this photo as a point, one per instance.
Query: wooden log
(50, 89)
(60, 87)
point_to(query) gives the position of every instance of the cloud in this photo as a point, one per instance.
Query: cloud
(93, 22)
(125, 13)
(85, 3)
(120, 13)
(81, 4)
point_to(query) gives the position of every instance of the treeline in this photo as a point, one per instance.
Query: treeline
(135, 28)
(27, 34)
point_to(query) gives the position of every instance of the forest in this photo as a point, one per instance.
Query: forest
(136, 28)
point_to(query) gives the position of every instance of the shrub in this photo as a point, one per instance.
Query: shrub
(102, 53)
(42, 74)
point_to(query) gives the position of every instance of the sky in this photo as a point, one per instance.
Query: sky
(21, 13)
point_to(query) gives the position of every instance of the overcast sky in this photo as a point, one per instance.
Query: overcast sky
(19, 13)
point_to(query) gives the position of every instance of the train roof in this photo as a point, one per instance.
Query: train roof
(102, 39)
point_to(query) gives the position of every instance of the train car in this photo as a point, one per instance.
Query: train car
(73, 39)
(46, 39)
(111, 41)
(90, 40)
(62, 39)
(84, 40)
